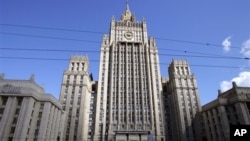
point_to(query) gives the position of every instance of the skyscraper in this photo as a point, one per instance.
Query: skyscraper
(77, 99)
(182, 102)
(129, 103)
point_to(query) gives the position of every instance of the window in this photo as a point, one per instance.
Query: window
(82, 66)
(40, 115)
(41, 106)
(80, 89)
(14, 121)
(1, 110)
(38, 123)
(17, 111)
(36, 132)
(19, 101)
(4, 100)
(72, 66)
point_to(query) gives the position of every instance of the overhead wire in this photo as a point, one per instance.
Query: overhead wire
(201, 55)
(51, 28)
(91, 41)
(192, 52)
(160, 54)
(98, 32)
(50, 50)
(194, 42)
(49, 37)
(98, 61)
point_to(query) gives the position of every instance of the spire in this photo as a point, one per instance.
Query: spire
(127, 15)
(127, 6)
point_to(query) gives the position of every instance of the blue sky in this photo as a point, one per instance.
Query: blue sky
(183, 30)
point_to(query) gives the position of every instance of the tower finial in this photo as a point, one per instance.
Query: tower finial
(127, 6)
(127, 15)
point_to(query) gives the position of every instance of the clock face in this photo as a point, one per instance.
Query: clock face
(128, 35)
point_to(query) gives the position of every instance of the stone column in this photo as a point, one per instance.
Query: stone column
(44, 122)
(24, 119)
(6, 122)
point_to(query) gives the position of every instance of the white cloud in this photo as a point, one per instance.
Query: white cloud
(245, 50)
(226, 44)
(242, 80)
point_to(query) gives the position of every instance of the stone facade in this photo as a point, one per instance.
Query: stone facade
(231, 107)
(129, 93)
(78, 100)
(27, 113)
(130, 101)
(181, 102)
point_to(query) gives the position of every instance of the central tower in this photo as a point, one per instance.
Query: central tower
(129, 103)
